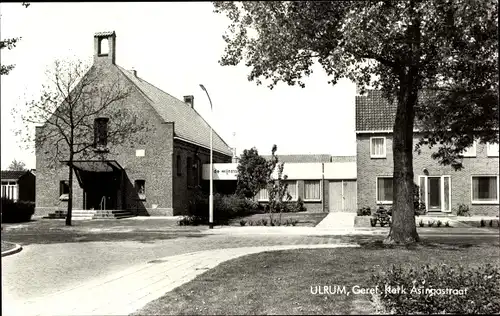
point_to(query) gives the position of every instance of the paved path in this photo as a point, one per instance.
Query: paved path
(338, 220)
(129, 290)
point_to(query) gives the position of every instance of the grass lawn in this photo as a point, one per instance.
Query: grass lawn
(280, 282)
(304, 218)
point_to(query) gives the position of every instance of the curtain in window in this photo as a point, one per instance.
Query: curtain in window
(384, 187)
(292, 189)
(263, 195)
(484, 189)
(312, 190)
(377, 146)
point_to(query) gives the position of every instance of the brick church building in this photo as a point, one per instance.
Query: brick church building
(157, 177)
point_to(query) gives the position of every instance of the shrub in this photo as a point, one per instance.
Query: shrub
(439, 223)
(297, 206)
(463, 210)
(263, 222)
(243, 222)
(482, 223)
(17, 212)
(226, 207)
(491, 223)
(473, 290)
(364, 211)
(191, 220)
(430, 223)
(421, 223)
(447, 224)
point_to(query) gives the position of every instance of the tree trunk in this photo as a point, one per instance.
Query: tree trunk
(403, 229)
(70, 194)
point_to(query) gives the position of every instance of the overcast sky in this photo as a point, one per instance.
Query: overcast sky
(175, 46)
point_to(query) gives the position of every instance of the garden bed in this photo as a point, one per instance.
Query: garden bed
(304, 219)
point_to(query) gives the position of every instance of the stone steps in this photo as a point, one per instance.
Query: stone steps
(112, 214)
(91, 214)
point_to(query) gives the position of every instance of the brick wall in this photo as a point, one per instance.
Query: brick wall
(155, 167)
(183, 192)
(369, 168)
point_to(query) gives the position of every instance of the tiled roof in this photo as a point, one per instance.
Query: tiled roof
(343, 159)
(374, 112)
(301, 158)
(189, 125)
(12, 175)
(104, 33)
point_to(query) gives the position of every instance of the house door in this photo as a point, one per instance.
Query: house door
(342, 196)
(435, 192)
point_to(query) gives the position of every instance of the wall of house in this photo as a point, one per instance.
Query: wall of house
(155, 167)
(27, 187)
(183, 189)
(368, 169)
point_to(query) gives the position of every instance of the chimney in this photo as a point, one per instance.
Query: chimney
(105, 47)
(134, 72)
(189, 99)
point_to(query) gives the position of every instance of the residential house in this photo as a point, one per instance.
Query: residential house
(156, 177)
(18, 185)
(324, 183)
(441, 187)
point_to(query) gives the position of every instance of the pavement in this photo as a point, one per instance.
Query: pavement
(122, 277)
(129, 290)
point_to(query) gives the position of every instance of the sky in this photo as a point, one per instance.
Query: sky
(176, 46)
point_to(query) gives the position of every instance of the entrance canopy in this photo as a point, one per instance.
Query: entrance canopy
(96, 165)
(91, 172)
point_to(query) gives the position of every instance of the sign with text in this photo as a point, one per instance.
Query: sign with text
(221, 171)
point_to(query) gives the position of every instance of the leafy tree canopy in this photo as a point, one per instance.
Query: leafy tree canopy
(446, 50)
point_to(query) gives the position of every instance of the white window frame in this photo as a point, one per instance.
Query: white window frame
(384, 155)
(492, 152)
(426, 188)
(320, 191)
(472, 189)
(470, 151)
(11, 189)
(376, 190)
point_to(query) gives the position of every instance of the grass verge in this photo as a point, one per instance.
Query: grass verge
(282, 282)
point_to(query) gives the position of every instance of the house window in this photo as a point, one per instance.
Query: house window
(470, 151)
(377, 147)
(485, 189)
(101, 132)
(189, 171)
(292, 189)
(140, 187)
(263, 195)
(312, 190)
(384, 190)
(9, 190)
(64, 190)
(179, 165)
(492, 150)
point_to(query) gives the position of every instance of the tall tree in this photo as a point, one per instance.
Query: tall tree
(404, 48)
(252, 173)
(67, 112)
(10, 43)
(17, 165)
